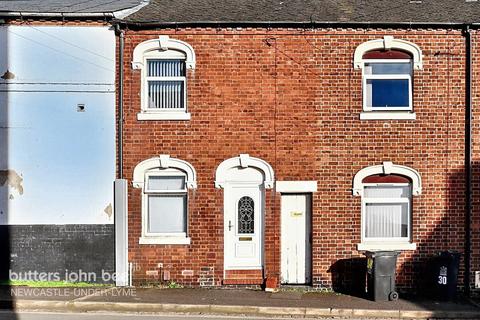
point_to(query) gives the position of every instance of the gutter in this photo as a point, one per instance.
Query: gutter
(57, 14)
(468, 157)
(119, 14)
(295, 24)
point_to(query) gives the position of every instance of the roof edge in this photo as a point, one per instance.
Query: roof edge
(295, 24)
(20, 14)
(121, 14)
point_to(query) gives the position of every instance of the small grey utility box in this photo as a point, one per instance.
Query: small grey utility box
(381, 266)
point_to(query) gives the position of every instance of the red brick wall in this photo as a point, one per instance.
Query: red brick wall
(475, 221)
(292, 98)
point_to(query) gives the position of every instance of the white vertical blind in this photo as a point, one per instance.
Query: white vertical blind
(166, 68)
(166, 84)
(387, 220)
(387, 211)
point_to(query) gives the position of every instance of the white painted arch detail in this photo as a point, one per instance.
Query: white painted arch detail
(387, 168)
(164, 162)
(163, 43)
(387, 43)
(244, 161)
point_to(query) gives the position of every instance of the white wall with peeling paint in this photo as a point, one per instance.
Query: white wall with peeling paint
(57, 165)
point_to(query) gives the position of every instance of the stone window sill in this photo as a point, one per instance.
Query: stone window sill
(386, 246)
(163, 116)
(164, 240)
(390, 115)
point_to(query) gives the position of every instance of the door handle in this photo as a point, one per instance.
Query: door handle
(230, 225)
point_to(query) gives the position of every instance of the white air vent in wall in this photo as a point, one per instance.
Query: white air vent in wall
(477, 279)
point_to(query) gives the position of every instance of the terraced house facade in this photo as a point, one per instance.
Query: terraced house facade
(275, 143)
(252, 143)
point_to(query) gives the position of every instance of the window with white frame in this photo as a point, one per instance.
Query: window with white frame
(165, 198)
(388, 66)
(165, 183)
(387, 81)
(386, 212)
(164, 65)
(165, 83)
(386, 206)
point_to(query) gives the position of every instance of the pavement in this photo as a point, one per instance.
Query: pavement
(288, 302)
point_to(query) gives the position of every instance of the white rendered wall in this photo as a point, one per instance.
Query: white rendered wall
(57, 165)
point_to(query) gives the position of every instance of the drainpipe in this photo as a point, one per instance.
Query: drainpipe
(120, 185)
(121, 36)
(468, 156)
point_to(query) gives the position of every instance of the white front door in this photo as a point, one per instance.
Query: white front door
(243, 226)
(295, 238)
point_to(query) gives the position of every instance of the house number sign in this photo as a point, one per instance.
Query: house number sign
(442, 277)
(296, 214)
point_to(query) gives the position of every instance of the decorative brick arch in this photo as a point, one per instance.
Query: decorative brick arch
(387, 168)
(388, 43)
(164, 162)
(244, 161)
(163, 43)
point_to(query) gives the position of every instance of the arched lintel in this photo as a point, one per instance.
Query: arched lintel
(163, 43)
(387, 168)
(244, 161)
(387, 43)
(164, 162)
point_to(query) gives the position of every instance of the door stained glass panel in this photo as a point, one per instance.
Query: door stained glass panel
(246, 215)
